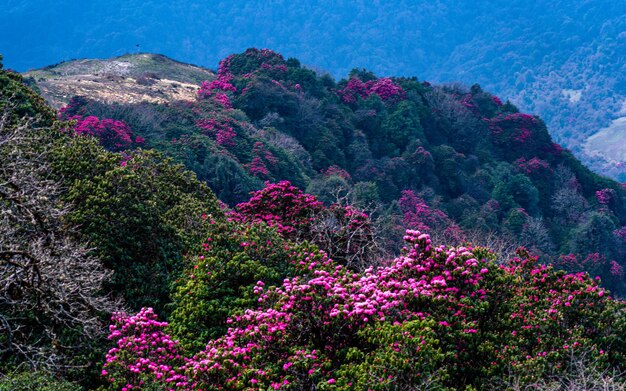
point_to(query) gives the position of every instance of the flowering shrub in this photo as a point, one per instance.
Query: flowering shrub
(552, 315)
(143, 353)
(532, 166)
(447, 316)
(605, 196)
(220, 127)
(252, 60)
(261, 157)
(596, 265)
(344, 232)
(114, 135)
(217, 89)
(335, 170)
(283, 206)
(620, 234)
(418, 215)
(520, 133)
(384, 87)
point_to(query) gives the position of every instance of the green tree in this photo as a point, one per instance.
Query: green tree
(125, 206)
(402, 126)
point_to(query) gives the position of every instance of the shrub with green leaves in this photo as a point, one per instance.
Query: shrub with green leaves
(139, 211)
(28, 381)
(220, 282)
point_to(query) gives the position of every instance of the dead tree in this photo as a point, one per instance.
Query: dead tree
(51, 302)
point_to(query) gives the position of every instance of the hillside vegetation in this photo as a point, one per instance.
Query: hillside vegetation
(563, 60)
(287, 231)
(452, 160)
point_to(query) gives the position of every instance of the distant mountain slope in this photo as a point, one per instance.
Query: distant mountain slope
(563, 60)
(130, 78)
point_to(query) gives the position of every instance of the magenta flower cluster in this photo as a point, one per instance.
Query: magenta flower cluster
(220, 128)
(519, 125)
(384, 87)
(143, 354)
(532, 166)
(335, 170)
(217, 90)
(113, 134)
(604, 196)
(419, 215)
(280, 205)
(261, 158)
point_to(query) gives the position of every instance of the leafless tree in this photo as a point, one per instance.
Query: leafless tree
(536, 237)
(51, 302)
(502, 246)
(583, 374)
(354, 242)
(290, 144)
(465, 126)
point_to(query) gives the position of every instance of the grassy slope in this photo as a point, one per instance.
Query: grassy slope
(129, 78)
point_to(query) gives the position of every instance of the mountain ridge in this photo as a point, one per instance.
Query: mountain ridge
(130, 78)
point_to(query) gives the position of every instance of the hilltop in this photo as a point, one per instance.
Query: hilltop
(130, 78)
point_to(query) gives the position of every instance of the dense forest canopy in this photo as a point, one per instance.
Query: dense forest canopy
(285, 230)
(448, 158)
(563, 60)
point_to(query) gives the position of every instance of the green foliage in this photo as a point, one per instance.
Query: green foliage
(393, 357)
(29, 381)
(401, 127)
(228, 179)
(365, 195)
(595, 235)
(139, 211)
(20, 102)
(219, 283)
(329, 189)
(518, 191)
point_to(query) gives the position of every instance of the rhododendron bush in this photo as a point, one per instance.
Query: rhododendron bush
(418, 215)
(519, 135)
(440, 315)
(385, 88)
(344, 232)
(114, 135)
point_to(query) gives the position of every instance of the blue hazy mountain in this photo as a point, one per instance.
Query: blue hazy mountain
(564, 60)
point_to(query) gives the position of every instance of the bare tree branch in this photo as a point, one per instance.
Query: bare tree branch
(51, 302)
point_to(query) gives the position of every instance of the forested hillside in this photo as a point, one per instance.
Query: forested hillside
(563, 60)
(450, 159)
(284, 230)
